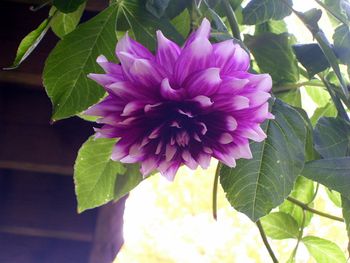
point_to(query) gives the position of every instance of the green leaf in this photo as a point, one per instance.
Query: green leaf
(257, 185)
(304, 191)
(97, 178)
(157, 7)
(334, 196)
(341, 40)
(144, 24)
(328, 110)
(310, 153)
(337, 10)
(62, 24)
(345, 203)
(319, 95)
(182, 23)
(311, 57)
(276, 27)
(176, 7)
(266, 47)
(332, 137)
(67, 6)
(29, 43)
(73, 58)
(332, 59)
(279, 225)
(334, 173)
(324, 251)
(311, 18)
(292, 97)
(259, 11)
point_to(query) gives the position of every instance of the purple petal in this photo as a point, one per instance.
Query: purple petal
(110, 67)
(242, 150)
(124, 90)
(148, 165)
(169, 93)
(231, 123)
(132, 107)
(261, 82)
(103, 79)
(231, 57)
(225, 138)
(167, 52)
(196, 56)
(205, 82)
(189, 160)
(254, 133)
(170, 152)
(203, 159)
(257, 98)
(203, 101)
(168, 170)
(146, 73)
(225, 158)
(107, 105)
(202, 32)
(128, 45)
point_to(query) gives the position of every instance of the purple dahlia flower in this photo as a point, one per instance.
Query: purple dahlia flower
(181, 105)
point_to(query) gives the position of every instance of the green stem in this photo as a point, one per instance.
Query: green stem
(231, 17)
(300, 236)
(324, 45)
(341, 19)
(337, 102)
(291, 86)
(266, 242)
(215, 191)
(315, 194)
(37, 8)
(307, 208)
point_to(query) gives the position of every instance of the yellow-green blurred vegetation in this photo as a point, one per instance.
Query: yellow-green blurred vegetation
(172, 222)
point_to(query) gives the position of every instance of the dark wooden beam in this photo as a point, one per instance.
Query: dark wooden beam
(108, 237)
(91, 5)
(38, 232)
(25, 79)
(37, 167)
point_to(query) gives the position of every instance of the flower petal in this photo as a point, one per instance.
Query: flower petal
(148, 165)
(194, 57)
(203, 159)
(254, 133)
(110, 67)
(169, 93)
(261, 82)
(146, 73)
(107, 105)
(203, 101)
(103, 79)
(128, 45)
(230, 57)
(205, 82)
(202, 32)
(167, 52)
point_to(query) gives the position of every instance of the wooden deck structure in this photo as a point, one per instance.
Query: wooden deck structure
(38, 218)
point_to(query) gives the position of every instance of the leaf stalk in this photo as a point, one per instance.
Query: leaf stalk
(231, 17)
(266, 242)
(317, 212)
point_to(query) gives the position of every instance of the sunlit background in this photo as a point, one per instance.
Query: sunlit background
(172, 221)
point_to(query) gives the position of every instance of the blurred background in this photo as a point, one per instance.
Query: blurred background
(163, 221)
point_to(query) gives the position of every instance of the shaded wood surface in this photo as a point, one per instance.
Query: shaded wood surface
(41, 250)
(38, 218)
(108, 237)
